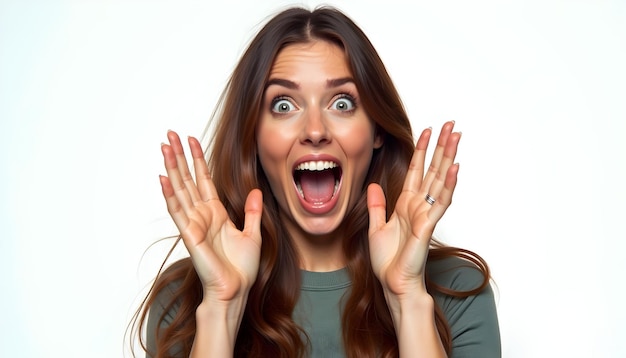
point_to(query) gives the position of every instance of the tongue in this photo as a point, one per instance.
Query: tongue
(317, 186)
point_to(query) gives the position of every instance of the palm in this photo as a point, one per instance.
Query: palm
(225, 258)
(399, 247)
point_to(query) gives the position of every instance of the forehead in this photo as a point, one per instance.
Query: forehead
(316, 57)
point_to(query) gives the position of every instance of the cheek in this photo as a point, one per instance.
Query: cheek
(358, 141)
(269, 144)
(273, 148)
(358, 145)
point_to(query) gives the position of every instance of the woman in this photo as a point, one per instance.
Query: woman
(309, 231)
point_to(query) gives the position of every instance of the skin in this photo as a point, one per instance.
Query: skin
(317, 114)
(311, 121)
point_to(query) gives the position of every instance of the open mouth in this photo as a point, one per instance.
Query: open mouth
(317, 181)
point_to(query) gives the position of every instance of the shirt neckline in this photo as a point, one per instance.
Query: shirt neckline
(323, 281)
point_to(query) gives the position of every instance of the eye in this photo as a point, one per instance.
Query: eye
(282, 105)
(345, 103)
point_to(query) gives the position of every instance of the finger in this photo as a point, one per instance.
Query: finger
(444, 199)
(174, 178)
(183, 168)
(204, 259)
(449, 155)
(253, 212)
(376, 206)
(435, 162)
(415, 173)
(173, 205)
(204, 183)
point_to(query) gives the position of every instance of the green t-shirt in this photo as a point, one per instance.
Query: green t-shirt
(318, 310)
(473, 320)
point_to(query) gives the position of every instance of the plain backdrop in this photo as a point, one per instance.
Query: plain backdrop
(88, 90)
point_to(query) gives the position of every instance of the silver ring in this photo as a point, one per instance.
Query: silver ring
(429, 199)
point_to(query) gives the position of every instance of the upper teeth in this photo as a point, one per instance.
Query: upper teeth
(316, 165)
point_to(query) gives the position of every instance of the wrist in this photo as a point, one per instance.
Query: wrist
(414, 322)
(417, 304)
(229, 312)
(217, 326)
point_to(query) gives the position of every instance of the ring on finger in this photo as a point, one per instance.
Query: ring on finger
(429, 199)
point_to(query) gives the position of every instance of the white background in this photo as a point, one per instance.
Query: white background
(89, 89)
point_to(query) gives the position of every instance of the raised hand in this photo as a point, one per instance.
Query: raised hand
(399, 247)
(225, 258)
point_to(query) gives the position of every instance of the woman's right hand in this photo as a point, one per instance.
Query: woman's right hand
(225, 258)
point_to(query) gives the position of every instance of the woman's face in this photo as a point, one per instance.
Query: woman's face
(315, 141)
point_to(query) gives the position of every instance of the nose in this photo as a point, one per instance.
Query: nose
(315, 130)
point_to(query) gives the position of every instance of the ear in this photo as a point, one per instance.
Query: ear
(378, 139)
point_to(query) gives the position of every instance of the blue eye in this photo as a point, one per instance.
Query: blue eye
(282, 105)
(344, 103)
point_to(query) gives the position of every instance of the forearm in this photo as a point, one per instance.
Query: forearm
(216, 329)
(414, 321)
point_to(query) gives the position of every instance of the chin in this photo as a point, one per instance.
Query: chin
(319, 225)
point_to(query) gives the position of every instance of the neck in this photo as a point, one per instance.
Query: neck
(318, 253)
(320, 260)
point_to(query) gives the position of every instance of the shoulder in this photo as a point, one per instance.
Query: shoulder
(455, 273)
(169, 283)
(166, 296)
(164, 307)
(469, 309)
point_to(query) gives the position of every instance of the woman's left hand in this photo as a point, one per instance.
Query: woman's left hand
(399, 247)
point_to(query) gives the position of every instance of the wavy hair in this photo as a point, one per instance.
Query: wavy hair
(267, 328)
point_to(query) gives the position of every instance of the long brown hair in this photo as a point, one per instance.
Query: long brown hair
(267, 329)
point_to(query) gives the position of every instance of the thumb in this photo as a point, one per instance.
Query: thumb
(253, 210)
(377, 207)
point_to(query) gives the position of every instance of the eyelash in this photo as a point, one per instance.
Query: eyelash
(346, 95)
(349, 97)
(278, 99)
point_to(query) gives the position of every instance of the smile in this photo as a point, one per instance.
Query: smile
(317, 182)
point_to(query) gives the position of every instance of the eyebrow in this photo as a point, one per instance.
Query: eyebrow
(338, 82)
(294, 86)
(282, 82)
